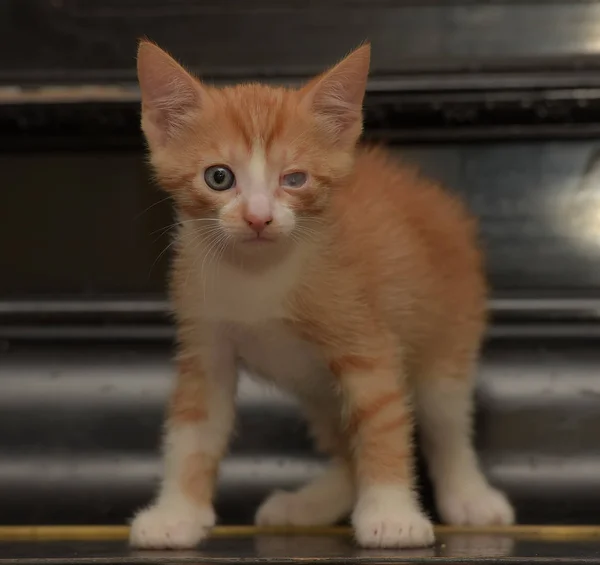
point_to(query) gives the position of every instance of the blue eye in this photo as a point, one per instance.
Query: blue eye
(219, 177)
(294, 180)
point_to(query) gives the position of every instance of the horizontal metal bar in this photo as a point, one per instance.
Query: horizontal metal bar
(406, 83)
(148, 320)
(145, 333)
(486, 134)
(395, 115)
(160, 307)
(546, 304)
(86, 307)
(81, 333)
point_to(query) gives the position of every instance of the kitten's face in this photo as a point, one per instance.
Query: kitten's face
(251, 162)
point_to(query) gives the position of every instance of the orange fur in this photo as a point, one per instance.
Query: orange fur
(369, 267)
(187, 400)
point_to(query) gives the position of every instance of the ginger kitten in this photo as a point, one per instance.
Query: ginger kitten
(333, 272)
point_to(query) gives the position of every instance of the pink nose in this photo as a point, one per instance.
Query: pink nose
(258, 223)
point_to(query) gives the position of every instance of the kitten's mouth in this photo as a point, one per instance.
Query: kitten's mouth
(257, 239)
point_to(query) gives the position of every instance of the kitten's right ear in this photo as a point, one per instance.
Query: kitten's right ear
(169, 93)
(336, 96)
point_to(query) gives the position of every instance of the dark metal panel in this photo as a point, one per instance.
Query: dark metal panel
(87, 224)
(80, 222)
(80, 424)
(75, 40)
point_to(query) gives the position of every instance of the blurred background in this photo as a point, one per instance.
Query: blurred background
(500, 100)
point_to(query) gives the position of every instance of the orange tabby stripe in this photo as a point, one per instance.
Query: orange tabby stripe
(354, 363)
(362, 415)
(391, 425)
(186, 401)
(184, 413)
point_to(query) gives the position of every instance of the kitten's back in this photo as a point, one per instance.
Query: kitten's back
(415, 242)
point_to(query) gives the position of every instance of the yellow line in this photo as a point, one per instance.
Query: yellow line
(95, 533)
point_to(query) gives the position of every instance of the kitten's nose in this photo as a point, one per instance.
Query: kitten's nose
(258, 222)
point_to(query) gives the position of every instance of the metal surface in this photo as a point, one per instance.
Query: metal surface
(72, 40)
(100, 118)
(508, 546)
(539, 205)
(499, 100)
(80, 424)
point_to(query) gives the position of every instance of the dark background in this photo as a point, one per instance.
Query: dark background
(499, 99)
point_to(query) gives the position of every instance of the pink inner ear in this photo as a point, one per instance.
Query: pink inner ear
(169, 92)
(338, 94)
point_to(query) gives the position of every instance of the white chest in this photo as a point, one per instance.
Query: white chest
(252, 308)
(273, 352)
(222, 291)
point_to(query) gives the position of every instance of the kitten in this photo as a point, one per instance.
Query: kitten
(333, 272)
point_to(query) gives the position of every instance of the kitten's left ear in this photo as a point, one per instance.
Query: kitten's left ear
(336, 96)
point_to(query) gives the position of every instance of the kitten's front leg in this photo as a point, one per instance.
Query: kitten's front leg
(199, 423)
(387, 512)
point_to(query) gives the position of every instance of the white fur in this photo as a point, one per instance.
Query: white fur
(463, 494)
(322, 502)
(172, 521)
(173, 525)
(257, 185)
(475, 504)
(388, 516)
(221, 291)
(258, 172)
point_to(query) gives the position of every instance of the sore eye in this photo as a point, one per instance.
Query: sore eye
(219, 177)
(294, 180)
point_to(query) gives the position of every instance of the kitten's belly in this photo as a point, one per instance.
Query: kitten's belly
(272, 351)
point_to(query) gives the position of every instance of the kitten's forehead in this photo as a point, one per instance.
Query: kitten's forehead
(258, 114)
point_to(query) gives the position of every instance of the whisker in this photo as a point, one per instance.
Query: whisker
(219, 253)
(183, 222)
(171, 243)
(212, 240)
(214, 258)
(163, 230)
(138, 216)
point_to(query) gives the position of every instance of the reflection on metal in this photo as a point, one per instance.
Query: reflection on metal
(577, 211)
(80, 424)
(323, 545)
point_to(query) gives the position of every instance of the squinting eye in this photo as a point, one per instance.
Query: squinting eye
(294, 180)
(219, 177)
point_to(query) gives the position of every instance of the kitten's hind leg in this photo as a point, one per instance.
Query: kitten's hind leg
(444, 410)
(322, 502)
(330, 496)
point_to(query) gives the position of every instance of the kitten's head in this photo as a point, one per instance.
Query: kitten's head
(256, 162)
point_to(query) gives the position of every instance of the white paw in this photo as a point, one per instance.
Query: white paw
(293, 509)
(391, 520)
(479, 505)
(171, 527)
